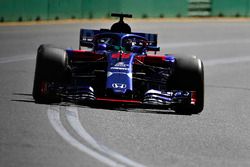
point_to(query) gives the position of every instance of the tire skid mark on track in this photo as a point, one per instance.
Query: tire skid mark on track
(14, 59)
(226, 61)
(207, 63)
(54, 118)
(19, 58)
(203, 43)
(73, 119)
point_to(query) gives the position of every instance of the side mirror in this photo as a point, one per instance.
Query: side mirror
(86, 44)
(153, 48)
(137, 49)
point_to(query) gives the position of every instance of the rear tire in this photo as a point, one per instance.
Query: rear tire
(189, 75)
(51, 64)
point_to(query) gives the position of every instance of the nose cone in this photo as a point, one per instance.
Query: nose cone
(119, 73)
(120, 83)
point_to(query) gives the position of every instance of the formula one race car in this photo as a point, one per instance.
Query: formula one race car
(116, 68)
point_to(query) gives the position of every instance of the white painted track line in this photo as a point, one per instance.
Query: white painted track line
(54, 118)
(74, 121)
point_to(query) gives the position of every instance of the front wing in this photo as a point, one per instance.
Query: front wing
(151, 99)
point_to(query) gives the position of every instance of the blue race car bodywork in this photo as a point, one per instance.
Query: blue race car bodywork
(117, 67)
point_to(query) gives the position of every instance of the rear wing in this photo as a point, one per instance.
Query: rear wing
(87, 35)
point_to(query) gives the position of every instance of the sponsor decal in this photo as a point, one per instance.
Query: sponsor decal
(119, 68)
(121, 64)
(119, 85)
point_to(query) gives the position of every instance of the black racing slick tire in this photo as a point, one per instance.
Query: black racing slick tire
(189, 75)
(51, 64)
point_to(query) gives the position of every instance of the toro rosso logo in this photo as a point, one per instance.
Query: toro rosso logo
(119, 85)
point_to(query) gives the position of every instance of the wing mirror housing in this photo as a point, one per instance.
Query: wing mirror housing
(87, 44)
(153, 48)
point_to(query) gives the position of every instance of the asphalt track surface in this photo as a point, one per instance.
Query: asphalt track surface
(71, 136)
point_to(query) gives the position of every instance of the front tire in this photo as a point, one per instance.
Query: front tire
(51, 64)
(189, 75)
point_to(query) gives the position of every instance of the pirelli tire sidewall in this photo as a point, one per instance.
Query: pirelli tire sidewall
(189, 75)
(51, 65)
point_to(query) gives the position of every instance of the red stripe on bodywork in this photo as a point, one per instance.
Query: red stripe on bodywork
(151, 59)
(79, 51)
(85, 55)
(119, 100)
(123, 55)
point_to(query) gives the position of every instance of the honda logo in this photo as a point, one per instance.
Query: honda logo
(119, 85)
